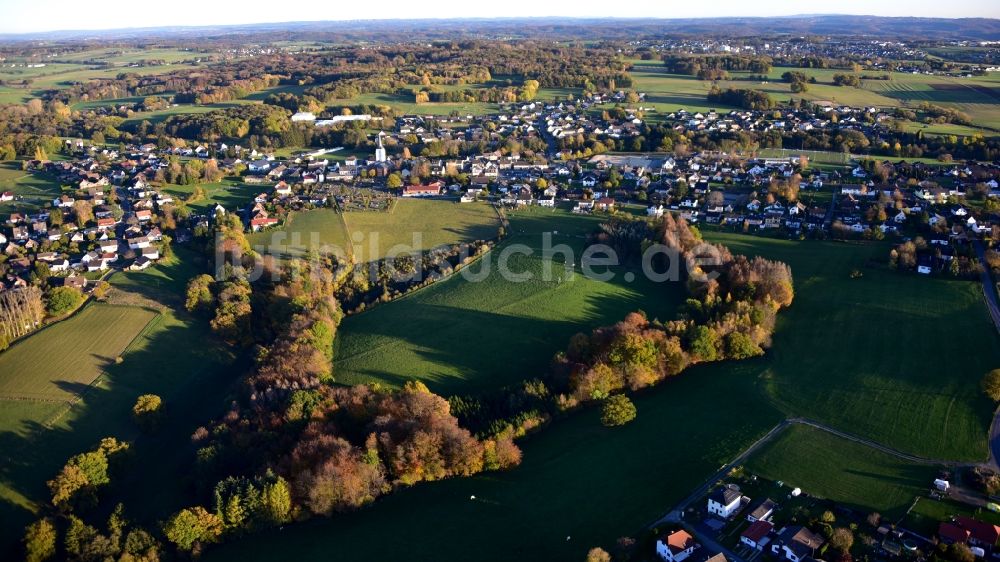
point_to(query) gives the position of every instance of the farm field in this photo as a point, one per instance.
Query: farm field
(436, 221)
(856, 476)
(36, 438)
(891, 357)
(316, 229)
(976, 96)
(462, 336)
(578, 480)
(87, 342)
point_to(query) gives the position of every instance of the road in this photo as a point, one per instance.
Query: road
(992, 305)
(989, 289)
(965, 495)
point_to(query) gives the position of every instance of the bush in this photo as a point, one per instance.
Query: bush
(617, 410)
(63, 300)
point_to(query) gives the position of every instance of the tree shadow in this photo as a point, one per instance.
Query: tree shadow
(178, 360)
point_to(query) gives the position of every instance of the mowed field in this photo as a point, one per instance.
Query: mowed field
(174, 357)
(851, 474)
(893, 357)
(63, 359)
(421, 224)
(417, 224)
(464, 335)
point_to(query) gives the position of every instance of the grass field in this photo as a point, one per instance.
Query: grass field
(893, 357)
(850, 474)
(316, 229)
(86, 344)
(32, 190)
(977, 96)
(578, 480)
(175, 357)
(464, 336)
(230, 193)
(420, 224)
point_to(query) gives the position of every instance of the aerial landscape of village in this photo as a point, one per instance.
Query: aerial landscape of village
(648, 282)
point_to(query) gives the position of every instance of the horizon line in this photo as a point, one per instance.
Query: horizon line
(175, 28)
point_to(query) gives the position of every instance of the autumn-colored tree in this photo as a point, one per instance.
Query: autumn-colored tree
(40, 541)
(191, 528)
(617, 410)
(991, 385)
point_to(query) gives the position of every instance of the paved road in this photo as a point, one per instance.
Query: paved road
(989, 289)
(993, 306)
(968, 496)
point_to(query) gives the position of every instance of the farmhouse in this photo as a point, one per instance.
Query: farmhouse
(676, 546)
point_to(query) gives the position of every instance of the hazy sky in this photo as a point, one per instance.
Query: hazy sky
(18, 16)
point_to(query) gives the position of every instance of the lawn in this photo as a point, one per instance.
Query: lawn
(176, 358)
(848, 473)
(580, 485)
(62, 360)
(893, 357)
(461, 335)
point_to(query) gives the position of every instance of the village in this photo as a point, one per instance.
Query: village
(113, 213)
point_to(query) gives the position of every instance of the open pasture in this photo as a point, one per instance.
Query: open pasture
(891, 356)
(463, 335)
(848, 473)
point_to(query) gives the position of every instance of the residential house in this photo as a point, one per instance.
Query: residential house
(725, 501)
(757, 535)
(676, 546)
(796, 543)
(763, 511)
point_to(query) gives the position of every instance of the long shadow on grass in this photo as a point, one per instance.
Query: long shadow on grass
(177, 361)
(474, 349)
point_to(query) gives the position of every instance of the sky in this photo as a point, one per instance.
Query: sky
(24, 16)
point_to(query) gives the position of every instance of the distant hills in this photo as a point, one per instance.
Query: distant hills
(977, 29)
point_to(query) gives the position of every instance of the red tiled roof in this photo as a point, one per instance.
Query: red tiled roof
(758, 530)
(952, 533)
(679, 541)
(982, 532)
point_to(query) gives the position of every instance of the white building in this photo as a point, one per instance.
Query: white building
(380, 155)
(676, 547)
(724, 502)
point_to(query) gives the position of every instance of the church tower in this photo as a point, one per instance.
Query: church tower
(380, 150)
